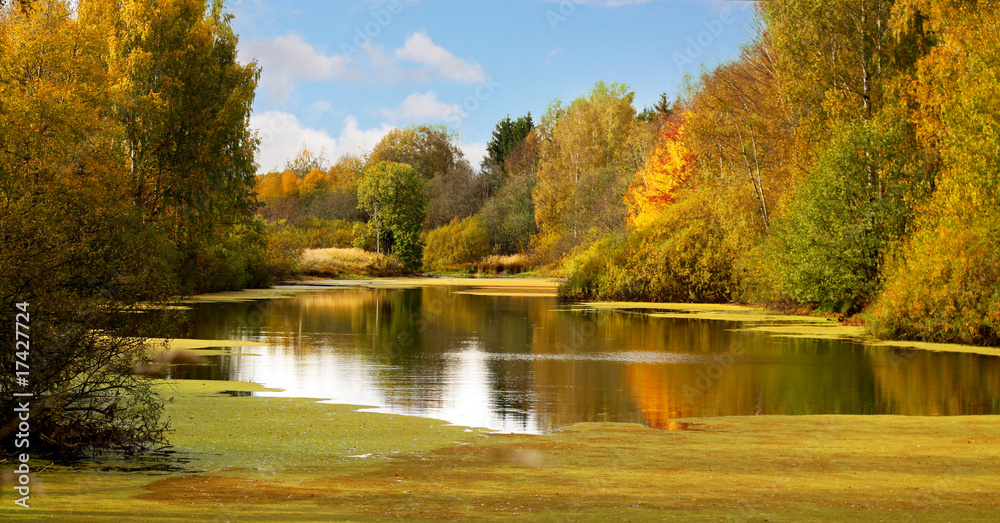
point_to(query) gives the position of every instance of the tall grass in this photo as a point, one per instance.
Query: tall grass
(339, 262)
(496, 264)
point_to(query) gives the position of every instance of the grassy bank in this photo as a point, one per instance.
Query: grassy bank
(290, 459)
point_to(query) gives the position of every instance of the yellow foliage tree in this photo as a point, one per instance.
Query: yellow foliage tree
(269, 187)
(578, 184)
(344, 174)
(945, 285)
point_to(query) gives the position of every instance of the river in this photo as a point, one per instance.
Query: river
(526, 363)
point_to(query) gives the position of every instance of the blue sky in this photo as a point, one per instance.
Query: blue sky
(338, 75)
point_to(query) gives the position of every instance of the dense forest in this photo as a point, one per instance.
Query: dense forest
(845, 161)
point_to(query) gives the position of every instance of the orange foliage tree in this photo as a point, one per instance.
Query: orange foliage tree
(665, 172)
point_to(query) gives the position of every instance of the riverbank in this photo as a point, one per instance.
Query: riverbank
(251, 457)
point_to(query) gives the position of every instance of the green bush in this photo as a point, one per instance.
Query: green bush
(849, 213)
(686, 258)
(363, 236)
(460, 242)
(227, 259)
(316, 233)
(284, 249)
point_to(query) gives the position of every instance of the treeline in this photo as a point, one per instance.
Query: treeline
(508, 215)
(847, 160)
(414, 188)
(126, 177)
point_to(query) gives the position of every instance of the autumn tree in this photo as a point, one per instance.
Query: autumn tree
(339, 200)
(743, 133)
(839, 61)
(393, 195)
(77, 259)
(944, 285)
(831, 247)
(662, 176)
(297, 195)
(432, 150)
(306, 161)
(579, 188)
(183, 103)
(126, 164)
(842, 67)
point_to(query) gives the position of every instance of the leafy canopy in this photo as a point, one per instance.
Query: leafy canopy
(393, 194)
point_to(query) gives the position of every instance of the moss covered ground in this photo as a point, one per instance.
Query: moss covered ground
(265, 458)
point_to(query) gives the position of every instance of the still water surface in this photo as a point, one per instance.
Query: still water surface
(530, 364)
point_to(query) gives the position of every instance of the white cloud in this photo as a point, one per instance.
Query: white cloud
(380, 61)
(247, 14)
(422, 107)
(421, 49)
(474, 152)
(288, 60)
(283, 135)
(551, 55)
(353, 140)
(318, 108)
(386, 68)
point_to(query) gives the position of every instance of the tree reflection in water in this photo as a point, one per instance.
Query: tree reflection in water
(528, 364)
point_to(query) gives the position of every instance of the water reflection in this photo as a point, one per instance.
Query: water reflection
(525, 364)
